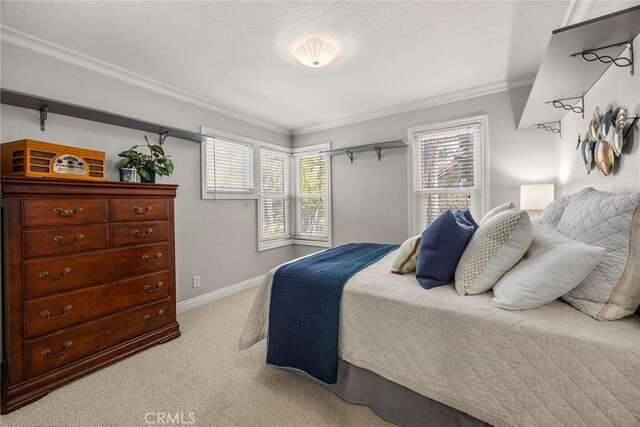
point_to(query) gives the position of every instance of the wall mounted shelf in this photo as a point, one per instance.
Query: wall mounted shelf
(378, 147)
(50, 106)
(565, 74)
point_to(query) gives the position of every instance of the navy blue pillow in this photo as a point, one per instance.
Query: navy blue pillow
(441, 247)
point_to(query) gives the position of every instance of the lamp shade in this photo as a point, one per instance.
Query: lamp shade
(315, 53)
(535, 197)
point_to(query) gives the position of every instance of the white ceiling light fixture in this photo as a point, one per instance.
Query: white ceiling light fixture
(315, 53)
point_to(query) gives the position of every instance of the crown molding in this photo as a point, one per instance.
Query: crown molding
(433, 101)
(577, 12)
(35, 44)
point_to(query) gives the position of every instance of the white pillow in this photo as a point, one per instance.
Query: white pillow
(553, 265)
(495, 211)
(407, 257)
(497, 246)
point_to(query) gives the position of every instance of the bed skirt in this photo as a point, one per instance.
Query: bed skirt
(395, 403)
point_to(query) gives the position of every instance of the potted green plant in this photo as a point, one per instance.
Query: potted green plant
(147, 165)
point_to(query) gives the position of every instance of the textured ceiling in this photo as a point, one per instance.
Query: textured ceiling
(238, 54)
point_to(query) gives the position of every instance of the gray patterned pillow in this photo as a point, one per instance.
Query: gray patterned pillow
(497, 246)
(495, 211)
(612, 290)
(553, 211)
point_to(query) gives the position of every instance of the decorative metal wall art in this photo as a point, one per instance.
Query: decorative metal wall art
(603, 143)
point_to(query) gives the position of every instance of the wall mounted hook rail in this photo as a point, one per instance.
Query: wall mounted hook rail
(376, 147)
(590, 55)
(555, 127)
(577, 108)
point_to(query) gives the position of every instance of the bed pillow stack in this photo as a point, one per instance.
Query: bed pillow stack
(441, 246)
(495, 248)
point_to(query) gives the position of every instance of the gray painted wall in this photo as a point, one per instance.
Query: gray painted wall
(616, 88)
(370, 198)
(214, 239)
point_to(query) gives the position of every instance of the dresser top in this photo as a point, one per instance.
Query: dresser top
(53, 187)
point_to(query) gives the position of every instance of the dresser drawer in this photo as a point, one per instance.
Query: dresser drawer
(54, 241)
(63, 310)
(37, 213)
(50, 275)
(59, 349)
(139, 209)
(138, 233)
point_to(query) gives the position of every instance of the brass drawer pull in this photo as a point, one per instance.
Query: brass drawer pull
(68, 212)
(46, 275)
(148, 317)
(61, 240)
(47, 352)
(150, 289)
(147, 258)
(48, 315)
(145, 233)
(140, 210)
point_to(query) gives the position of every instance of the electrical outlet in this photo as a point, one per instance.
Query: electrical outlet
(196, 281)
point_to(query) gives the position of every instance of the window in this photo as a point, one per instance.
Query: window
(447, 162)
(311, 196)
(294, 206)
(275, 198)
(227, 169)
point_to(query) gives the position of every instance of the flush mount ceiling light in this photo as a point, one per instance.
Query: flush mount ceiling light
(315, 53)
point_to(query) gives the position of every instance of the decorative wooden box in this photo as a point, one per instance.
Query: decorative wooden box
(44, 159)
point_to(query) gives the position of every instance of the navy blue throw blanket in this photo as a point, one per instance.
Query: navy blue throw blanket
(304, 315)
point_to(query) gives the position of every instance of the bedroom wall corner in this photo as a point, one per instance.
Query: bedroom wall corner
(370, 197)
(216, 240)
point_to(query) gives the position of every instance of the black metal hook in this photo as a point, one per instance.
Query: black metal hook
(590, 55)
(43, 116)
(578, 109)
(555, 127)
(163, 136)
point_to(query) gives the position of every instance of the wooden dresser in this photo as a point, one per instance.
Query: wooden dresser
(88, 279)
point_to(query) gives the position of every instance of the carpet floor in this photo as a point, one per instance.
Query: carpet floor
(201, 377)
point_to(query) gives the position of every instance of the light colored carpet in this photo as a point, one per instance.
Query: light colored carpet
(203, 373)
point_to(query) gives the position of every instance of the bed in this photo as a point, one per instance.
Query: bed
(548, 366)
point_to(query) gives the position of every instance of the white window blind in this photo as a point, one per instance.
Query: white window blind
(447, 172)
(294, 204)
(311, 196)
(275, 195)
(228, 168)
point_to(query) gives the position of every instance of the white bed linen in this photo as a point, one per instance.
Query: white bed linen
(548, 366)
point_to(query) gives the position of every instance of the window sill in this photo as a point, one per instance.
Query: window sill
(273, 245)
(231, 197)
(312, 243)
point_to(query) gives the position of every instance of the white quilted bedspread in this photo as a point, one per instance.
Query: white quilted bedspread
(549, 366)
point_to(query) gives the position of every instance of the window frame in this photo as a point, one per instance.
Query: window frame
(297, 240)
(482, 160)
(266, 244)
(233, 138)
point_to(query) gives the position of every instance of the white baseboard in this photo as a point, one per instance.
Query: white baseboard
(218, 294)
